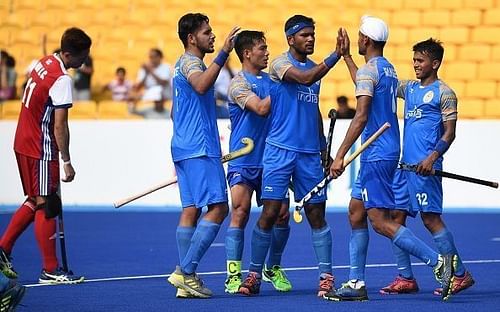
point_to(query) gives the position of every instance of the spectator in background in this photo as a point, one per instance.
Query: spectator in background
(343, 109)
(221, 87)
(8, 76)
(82, 80)
(154, 77)
(120, 87)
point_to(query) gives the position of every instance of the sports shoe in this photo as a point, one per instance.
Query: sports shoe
(59, 276)
(458, 284)
(443, 272)
(326, 284)
(190, 283)
(400, 285)
(277, 277)
(232, 283)
(349, 291)
(182, 294)
(11, 297)
(251, 284)
(6, 266)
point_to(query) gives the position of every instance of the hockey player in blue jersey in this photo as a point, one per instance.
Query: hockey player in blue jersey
(430, 117)
(196, 150)
(372, 195)
(249, 105)
(292, 150)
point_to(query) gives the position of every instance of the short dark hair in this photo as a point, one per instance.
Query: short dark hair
(246, 39)
(432, 47)
(74, 40)
(121, 69)
(189, 24)
(342, 99)
(157, 51)
(294, 20)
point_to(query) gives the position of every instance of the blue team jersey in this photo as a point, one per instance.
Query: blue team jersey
(426, 108)
(378, 79)
(193, 114)
(294, 109)
(244, 122)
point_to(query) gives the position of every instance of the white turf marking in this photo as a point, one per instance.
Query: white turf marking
(495, 239)
(379, 265)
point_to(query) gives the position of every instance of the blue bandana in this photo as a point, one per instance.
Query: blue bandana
(297, 27)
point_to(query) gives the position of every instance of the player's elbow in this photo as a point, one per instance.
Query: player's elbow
(263, 110)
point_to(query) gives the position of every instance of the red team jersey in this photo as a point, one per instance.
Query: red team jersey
(48, 88)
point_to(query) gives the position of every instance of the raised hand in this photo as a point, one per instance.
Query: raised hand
(229, 42)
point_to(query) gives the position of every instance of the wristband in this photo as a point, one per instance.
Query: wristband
(331, 60)
(67, 162)
(221, 58)
(441, 147)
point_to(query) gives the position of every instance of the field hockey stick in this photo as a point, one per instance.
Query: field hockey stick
(332, 114)
(233, 155)
(297, 217)
(60, 235)
(449, 175)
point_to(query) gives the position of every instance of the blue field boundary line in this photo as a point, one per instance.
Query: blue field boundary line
(337, 267)
(4, 209)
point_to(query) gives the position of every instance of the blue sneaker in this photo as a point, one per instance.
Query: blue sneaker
(11, 297)
(349, 291)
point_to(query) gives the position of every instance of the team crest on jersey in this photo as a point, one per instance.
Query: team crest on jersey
(428, 96)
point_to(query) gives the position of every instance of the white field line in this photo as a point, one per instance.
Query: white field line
(379, 265)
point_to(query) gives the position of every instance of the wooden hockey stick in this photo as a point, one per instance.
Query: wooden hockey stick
(233, 155)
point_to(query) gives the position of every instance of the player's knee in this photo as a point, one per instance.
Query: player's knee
(239, 216)
(283, 218)
(381, 227)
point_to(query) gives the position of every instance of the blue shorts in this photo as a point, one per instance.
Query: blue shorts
(201, 181)
(252, 177)
(401, 195)
(426, 192)
(303, 168)
(373, 185)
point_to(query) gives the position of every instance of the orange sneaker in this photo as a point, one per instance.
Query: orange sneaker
(400, 285)
(458, 284)
(326, 284)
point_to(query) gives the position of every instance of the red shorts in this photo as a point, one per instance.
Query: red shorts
(39, 177)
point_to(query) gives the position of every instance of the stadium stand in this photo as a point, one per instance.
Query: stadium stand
(124, 30)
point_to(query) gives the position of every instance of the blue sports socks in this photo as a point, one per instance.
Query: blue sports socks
(261, 240)
(403, 261)
(203, 237)
(279, 239)
(322, 244)
(183, 236)
(446, 245)
(234, 243)
(407, 241)
(358, 248)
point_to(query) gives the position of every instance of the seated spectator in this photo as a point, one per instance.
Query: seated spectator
(154, 80)
(120, 87)
(81, 81)
(221, 87)
(343, 109)
(8, 76)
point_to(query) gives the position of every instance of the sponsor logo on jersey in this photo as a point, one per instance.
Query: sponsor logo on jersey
(414, 113)
(309, 97)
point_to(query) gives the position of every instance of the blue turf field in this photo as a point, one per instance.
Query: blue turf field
(124, 245)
